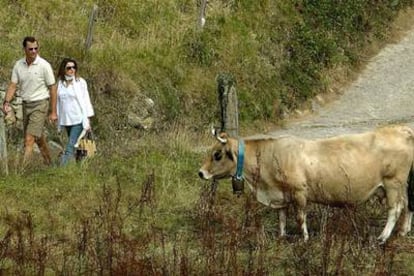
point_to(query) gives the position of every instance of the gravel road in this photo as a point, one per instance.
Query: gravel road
(382, 94)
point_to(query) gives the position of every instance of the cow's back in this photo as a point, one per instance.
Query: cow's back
(340, 170)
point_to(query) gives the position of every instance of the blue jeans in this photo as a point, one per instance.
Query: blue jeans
(73, 135)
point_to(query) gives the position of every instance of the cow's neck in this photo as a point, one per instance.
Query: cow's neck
(261, 187)
(251, 169)
(248, 165)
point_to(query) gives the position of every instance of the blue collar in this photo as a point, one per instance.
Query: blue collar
(240, 161)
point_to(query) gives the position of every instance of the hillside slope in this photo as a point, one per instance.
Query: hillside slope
(382, 94)
(281, 53)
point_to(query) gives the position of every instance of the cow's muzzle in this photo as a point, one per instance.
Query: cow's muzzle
(201, 174)
(238, 185)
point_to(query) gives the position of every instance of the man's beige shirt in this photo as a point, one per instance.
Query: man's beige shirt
(34, 80)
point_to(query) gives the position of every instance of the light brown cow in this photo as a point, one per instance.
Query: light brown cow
(342, 170)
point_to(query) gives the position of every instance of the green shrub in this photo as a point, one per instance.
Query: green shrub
(327, 34)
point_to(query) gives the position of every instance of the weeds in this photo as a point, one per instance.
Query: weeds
(234, 243)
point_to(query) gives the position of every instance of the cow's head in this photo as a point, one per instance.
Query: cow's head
(221, 160)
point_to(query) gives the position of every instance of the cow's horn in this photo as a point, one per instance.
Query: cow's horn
(222, 140)
(213, 131)
(216, 134)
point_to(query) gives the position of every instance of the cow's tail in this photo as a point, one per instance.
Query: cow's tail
(410, 189)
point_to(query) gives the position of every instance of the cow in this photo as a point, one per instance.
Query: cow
(337, 171)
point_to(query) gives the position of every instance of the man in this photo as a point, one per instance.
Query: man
(37, 86)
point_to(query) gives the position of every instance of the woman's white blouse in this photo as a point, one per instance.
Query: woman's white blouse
(70, 112)
(74, 104)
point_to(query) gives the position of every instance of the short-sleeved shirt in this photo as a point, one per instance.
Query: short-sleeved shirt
(33, 80)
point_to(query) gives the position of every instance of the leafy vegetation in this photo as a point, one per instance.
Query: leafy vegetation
(138, 207)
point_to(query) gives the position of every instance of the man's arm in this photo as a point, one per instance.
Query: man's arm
(53, 102)
(11, 90)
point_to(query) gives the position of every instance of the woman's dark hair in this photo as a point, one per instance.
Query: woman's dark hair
(62, 68)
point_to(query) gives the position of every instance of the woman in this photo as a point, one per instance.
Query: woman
(74, 106)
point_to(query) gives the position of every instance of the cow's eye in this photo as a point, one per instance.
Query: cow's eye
(217, 155)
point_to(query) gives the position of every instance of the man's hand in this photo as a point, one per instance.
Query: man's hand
(52, 117)
(6, 107)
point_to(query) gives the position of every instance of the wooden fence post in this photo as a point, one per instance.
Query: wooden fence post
(3, 140)
(88, 42)
(3, 146)
(229, 112)
(202, 15)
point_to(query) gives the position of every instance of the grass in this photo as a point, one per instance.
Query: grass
(146, 212)
(281, 54)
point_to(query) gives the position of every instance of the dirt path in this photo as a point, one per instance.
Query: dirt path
(383, 94)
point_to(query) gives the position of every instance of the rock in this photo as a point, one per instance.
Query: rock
(141, 112)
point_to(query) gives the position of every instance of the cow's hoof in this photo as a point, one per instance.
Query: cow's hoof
(381, 241)
(403, 232)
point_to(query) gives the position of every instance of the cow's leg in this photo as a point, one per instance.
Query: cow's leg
(300, 202)
(301, 217)
(406, 218)
(395, 205)
(282, 222)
